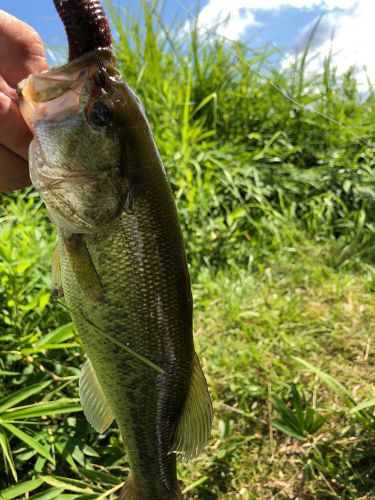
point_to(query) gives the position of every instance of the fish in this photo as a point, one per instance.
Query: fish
(120, 263)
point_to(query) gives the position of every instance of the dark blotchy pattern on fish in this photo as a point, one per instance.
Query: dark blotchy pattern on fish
(86, 25)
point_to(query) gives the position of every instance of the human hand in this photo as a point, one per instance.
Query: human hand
(21, 53)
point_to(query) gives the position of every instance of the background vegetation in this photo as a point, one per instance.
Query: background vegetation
(277, 205)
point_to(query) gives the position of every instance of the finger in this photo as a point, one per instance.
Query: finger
(8, 90)
(14, 133)
(14, 171)
(21, 50)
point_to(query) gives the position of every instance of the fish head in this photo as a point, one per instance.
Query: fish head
(76, 155)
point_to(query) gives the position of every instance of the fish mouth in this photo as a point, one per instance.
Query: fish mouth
(55, 94)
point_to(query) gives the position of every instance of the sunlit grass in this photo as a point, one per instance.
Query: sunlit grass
(277, 207)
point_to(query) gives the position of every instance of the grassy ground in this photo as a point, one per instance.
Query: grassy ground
(277, 208)
(251, 331)
(283, 428)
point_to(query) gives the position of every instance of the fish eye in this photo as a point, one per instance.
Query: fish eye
(100, 114)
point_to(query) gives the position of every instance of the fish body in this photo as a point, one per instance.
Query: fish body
(121, 265)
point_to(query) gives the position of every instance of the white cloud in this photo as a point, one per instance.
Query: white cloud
(233, 17)
(237, 15)
(351, 20)
(299, 4)
(353, 42)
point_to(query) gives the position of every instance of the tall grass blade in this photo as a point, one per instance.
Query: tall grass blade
(27, 439)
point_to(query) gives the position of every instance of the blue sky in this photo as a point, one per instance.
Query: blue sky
(283, 23)
(278, 26)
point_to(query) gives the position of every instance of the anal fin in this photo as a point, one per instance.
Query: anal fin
(194, 427)
(93, 400)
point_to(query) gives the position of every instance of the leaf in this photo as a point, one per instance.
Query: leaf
(67, 484)
(286, 413)
(68, 496)
(317, 424)
(369, 403)
(20, 489)
(49, 494)
(64, 449)
(90, 452)
(339, 389)
(100, 477)
(287, 430)
(45, 347)
(44, 298)
(309, 416)
(196, 483)
(8, 457)
(331, 382)
(21, 395)
(49, 408)
(298, 406)
(4, 373)
(59, 335)
(109, 492)
(30, 441)
(22, 265)
(205, 101)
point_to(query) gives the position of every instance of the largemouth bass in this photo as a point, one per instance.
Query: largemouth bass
(120, 262)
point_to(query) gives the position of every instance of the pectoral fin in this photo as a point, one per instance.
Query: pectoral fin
(93, 400)
(194, 427)
(57, 289)
(83, 267)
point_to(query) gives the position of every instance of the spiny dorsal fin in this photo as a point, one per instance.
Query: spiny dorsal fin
(194, 427)
(93, 400)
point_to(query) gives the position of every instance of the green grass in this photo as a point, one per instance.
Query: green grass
(256, 327)
(277, 207)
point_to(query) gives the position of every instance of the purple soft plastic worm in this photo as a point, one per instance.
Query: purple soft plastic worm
(86, 25)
